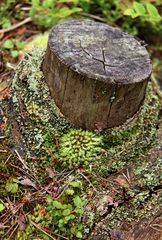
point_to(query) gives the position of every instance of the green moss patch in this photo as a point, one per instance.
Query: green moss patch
(109, 171)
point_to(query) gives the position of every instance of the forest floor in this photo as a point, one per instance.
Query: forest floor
(123, 204)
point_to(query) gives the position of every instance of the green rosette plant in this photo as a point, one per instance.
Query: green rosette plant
(79, 148)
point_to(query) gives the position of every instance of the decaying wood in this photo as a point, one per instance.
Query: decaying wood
(141, 231)
(96, 74)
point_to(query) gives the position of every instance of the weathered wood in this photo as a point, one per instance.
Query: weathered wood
(96, 74)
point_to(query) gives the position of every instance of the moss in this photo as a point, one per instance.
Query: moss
(50, 140)
(132, 211)
(41, 218)
(44, 125)
(125, 144)
(79, 148)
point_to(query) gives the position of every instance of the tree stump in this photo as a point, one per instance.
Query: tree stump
(97, 74)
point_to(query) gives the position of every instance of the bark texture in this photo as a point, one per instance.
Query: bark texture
(96, 74)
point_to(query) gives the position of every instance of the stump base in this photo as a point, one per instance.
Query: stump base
(123, 164)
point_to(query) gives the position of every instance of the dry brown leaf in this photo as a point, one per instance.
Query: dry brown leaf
(121, 181)
(27, 182)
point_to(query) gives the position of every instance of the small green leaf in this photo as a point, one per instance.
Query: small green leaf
(72, 216)
(57, 205)
(8, 44)
(35, 3)
(66, 212)
(2, 207)
(6, 23)
(75, 184)
(69, 191)
(69, 217)
(69, 1)
(79, 211)
(139, 8)
(130, 12)
(152, 9)
(48, 3)
(19, 45)
(12, 187)
(79, 235)
(15, 53)
(49, 199)
(77, 201)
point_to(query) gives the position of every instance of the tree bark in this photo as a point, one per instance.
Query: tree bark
(96, 74)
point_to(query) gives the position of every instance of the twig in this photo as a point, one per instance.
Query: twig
(13, 231)
(80, 173)
(156, 229)
(92, 16)
(21, 160)
(45, 232)
(65, 188)
(7, 159)
(27, 20)
(23, 171)
(127, 177)
(3, 151)
(2, 137)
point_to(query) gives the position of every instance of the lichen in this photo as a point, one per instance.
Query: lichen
(121, 145)
(50, 140)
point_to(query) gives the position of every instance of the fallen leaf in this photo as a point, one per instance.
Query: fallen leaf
(121, 181)
(51, 173)
(3, 85)
(3, 126)
(5, 94)
(21, 221)
(27, 182)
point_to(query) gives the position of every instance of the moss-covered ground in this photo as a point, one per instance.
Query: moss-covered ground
(60, 182)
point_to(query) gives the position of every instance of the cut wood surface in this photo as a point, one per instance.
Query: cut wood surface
(96, 74)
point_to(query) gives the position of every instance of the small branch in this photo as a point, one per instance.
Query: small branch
(80, 173)
(2, 137)
(27, 20)
(21, 160)
(45, 232)
(156, 229)
(92, 16)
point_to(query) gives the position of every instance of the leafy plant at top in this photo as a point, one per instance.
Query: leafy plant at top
(5, 8)
(147, 12)
(79, 147)
(47, 14)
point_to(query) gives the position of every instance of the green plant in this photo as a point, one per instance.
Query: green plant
(67, 212)
(79, 147)
(5, 8)
(38, 216)
(14, 46)
(147, 11)
(2, 207)
(47, 14)
(12, 185)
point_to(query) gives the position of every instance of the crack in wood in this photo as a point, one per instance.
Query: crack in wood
(103, 54)
(96, 59)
